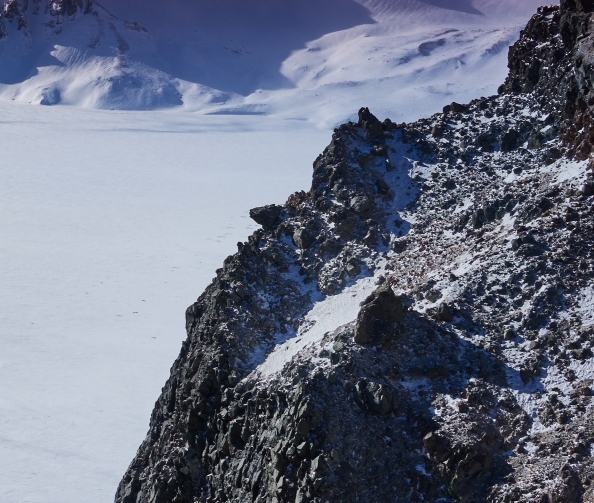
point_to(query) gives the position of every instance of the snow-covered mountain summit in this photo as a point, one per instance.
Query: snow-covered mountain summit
(300, 59)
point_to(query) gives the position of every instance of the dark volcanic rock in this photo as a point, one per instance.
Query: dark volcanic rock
(467, 375)
(445, 312)
(577, 5)
(303, 237)
(371, 125)
(380, 311)
(266, 216)
(360, 204)
(554, 58)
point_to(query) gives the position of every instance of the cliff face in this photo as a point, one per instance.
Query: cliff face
(416, 327)
(554, 59)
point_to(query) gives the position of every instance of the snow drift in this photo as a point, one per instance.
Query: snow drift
(299, 59)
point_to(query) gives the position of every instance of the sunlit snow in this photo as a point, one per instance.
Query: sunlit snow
(113, 222)
(313, 60)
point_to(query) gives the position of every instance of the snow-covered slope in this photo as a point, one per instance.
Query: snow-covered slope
(315, 60)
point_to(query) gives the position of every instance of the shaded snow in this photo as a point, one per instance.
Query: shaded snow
(302, 60)
(325, 316)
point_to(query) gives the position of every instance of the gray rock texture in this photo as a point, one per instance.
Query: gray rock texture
(378, 315)
(267, 216)
(14, 14)
(466, 372)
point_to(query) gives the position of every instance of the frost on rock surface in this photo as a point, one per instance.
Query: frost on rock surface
(416, 327)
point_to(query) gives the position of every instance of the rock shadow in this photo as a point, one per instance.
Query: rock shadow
(426, 48)
(447, 397)
(236, 46)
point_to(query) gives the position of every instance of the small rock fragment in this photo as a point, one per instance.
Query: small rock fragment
(303, 238)
(360, 204)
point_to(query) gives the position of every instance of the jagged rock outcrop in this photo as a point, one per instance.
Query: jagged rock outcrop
(555, 59)
(266, 216)
(14, 13)
(419, 326)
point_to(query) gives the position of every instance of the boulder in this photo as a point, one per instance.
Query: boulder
(373, 397)
(454, 108)
(378, 314)
(303, 238)
(509, 140)
(266, 216)
(445, 312)
(360, 204)
(437, 130)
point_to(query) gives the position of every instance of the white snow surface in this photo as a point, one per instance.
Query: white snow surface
(314, 60)
(112, 222)
(586, 306)
(325, 316)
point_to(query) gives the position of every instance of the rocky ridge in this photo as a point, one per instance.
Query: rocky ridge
(15, 13)
(419, 326)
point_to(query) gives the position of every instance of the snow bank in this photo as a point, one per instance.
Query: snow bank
(325, 316)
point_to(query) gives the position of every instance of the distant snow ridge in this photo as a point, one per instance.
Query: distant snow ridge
(297, 59)
(71, 52)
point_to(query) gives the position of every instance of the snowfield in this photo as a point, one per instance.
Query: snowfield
(317, 61)
(113, 220)
(112, 224)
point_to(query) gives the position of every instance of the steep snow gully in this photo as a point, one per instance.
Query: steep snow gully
(418, 325)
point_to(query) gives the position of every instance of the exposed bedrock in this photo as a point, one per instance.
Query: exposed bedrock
(418, 326)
